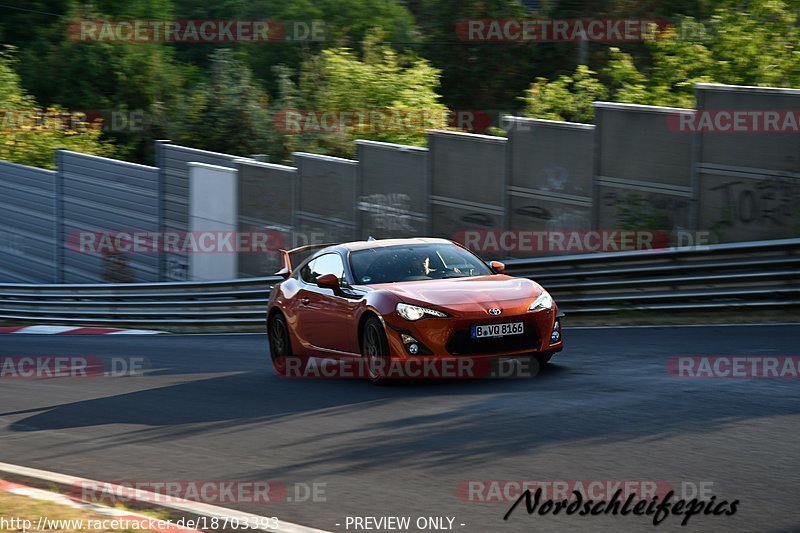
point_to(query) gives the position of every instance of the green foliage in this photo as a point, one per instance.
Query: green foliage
(343, 23)
(626, 82)
(395, 57)
(567, 98)
(480, 75)
(759, 45)
(228, 113)
(634, 213)
(30, 135)
(391, 99)
(110, 78)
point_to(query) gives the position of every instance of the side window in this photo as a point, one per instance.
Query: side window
(324, 264)
(307, 272)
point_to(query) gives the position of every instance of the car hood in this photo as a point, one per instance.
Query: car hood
(458, 292)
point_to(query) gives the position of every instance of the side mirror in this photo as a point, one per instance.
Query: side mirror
(328, 281)
(284, 273)
(498, 267)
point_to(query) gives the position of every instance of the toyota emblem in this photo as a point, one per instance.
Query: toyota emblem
(495, 311)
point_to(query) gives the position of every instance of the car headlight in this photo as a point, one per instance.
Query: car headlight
(544, 301)
(415, 312)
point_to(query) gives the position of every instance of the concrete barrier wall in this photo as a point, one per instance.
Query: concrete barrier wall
(98, 194)
(748, 173)
(638, 167)
(327, 198)
(394, 188)
(173, 161)
(28, 229)
(643, 169)
(550, 179)
(267, 203)
(213, 199)
(468, 189)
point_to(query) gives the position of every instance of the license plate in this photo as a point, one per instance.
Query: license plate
(498, 330)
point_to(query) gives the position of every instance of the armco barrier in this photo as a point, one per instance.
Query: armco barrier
(755, 275)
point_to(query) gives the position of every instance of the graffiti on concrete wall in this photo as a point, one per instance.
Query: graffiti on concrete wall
(551, 215)
(765, 202)
(645, 210)
(750, 208)
(558, 179)
(387, 212)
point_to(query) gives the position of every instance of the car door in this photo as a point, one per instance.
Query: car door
(326, 318)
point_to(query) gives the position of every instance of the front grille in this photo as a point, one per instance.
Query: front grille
(462, 343)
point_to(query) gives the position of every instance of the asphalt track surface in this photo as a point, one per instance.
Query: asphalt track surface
(211, 409)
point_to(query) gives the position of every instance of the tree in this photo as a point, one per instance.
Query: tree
(567, 98)
(167, 83)
(478, 75)
(30, 135)
(342, 97)
(228, 113)
(117, 80)
(343, 23)
(757, 46)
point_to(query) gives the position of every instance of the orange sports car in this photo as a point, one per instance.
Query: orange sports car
(390, 303)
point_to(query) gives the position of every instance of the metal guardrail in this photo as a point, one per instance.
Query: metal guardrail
(757, 274)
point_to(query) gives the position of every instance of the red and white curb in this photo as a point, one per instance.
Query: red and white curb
(175, 506)
(73, 330)
(147, 523)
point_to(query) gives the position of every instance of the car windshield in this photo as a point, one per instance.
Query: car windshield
(414, 262)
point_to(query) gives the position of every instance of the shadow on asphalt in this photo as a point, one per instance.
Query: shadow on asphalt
(252, 395)
(585, 396)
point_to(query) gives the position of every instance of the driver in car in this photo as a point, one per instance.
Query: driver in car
(426, 270)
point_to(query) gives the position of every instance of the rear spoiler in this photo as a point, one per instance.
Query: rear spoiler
(295, 256)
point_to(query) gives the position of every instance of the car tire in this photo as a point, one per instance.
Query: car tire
(280, 344)
(544, 359)
(375, 350)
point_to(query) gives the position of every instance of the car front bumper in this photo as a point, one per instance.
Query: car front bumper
(451, 337)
